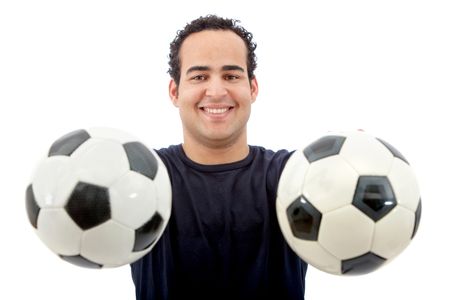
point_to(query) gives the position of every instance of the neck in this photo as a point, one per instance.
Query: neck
(216, 153)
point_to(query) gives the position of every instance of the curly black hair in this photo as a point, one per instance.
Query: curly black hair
(210, 22)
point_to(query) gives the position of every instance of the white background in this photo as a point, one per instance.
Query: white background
(383, 66)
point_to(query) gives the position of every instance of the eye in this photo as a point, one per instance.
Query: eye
(198, 77)
(231, 77)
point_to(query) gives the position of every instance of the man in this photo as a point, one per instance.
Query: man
(223, 240)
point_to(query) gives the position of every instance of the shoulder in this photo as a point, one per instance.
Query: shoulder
(171, 157)
(170, 150)
(169, 153)
(272, 157)
(272, 162)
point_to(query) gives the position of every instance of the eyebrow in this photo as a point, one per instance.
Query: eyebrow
(206, 68)
(232, 68)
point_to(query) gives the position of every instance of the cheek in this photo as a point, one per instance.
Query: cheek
(191, 96)
(187, 104)
(243, 95)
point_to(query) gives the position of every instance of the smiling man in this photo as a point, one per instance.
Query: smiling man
(223, 240)
(214, 95)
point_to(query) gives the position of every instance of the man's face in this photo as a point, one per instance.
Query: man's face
(214, 95)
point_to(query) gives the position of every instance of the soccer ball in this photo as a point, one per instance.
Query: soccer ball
(348, 203)
(100, 198)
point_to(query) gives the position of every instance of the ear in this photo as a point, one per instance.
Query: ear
(173, 92)
(254, 89)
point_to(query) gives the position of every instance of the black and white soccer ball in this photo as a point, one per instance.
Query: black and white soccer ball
(348, 203)
(100, 198)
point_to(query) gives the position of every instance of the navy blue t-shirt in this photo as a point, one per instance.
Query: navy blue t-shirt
(223, 240)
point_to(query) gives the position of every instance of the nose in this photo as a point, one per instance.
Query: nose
(216, 88)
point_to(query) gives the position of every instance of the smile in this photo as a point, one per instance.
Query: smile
(216, 110)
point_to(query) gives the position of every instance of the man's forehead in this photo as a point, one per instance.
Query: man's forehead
(205, 43)
(200, 68)
(213, 50)
(212, 34)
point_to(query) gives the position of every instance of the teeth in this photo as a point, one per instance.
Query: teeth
(215, 110)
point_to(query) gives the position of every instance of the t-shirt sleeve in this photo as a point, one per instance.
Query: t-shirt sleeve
(275, 169)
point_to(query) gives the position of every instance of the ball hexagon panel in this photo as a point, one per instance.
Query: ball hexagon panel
(393, 150)
(53, 181)
(339, 235)
(304, 219)
(97, 155)
(393, 233)
(148, 234)
(417, 214)
(80, 261)
(363, 264)
(31, 206)
(374, 196)
(141, 159)
(330, 183)
(133, 199)
(311, 251)
(58, 231)
(404, 184)
(316, 255)
(107, 243)
(292, 178)
(68, 143)
(366, 154)
(324, 147)
(88, 205)
(115, 135)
